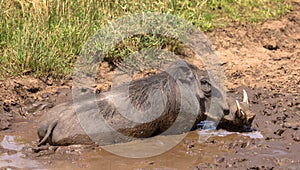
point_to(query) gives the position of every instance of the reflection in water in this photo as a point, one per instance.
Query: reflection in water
(145, 148)
(16, 159)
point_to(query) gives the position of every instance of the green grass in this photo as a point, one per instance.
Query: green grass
(43, 37)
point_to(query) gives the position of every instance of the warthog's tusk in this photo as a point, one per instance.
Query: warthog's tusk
(245, 98)
(239, 109)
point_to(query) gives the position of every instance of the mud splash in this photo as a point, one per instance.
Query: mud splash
(205, 134)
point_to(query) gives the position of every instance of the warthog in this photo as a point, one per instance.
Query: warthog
(183, 94)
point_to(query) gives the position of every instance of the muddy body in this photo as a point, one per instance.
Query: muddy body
(182, 93)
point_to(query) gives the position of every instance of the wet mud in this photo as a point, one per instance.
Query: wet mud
(263, 59)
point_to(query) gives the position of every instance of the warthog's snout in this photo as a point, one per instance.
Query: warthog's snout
(238, 117)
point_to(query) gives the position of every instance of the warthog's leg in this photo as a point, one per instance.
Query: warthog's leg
(48, 132)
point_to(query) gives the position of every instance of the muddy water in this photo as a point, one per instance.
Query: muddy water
(14, 156)
(274, 144)
(14, 144)
(17, 151)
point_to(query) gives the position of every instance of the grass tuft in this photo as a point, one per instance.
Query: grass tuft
(43, 37)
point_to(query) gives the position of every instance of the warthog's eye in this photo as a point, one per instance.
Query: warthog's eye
(204, 81)
(205, 85)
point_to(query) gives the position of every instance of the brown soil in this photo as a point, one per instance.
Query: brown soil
(264, 59)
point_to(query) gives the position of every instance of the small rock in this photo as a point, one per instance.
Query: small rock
(279, 132)
(45, 95)
(296, 136)
(4, 125)
(267, 112)
(220, 160)
(271, 45)
(293, 125)
(148, 162)
(242, 160)
(40, 148)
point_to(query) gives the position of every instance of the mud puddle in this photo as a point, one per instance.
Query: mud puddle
(17, 151)
(14, 157)
(14, 145)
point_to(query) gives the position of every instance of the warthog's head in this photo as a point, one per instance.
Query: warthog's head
(215, 106)
(227, 112)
